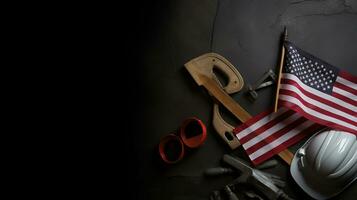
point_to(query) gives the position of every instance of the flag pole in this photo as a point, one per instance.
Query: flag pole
(280, 69)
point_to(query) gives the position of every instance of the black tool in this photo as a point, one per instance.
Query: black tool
(216, 195)
(267, 164)
(267, 184)
(230, 193)
(261, 83)
(218, 171)
(264, 182)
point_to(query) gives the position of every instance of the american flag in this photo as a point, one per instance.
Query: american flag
(313, 95)
(269, 133)
(318, 91)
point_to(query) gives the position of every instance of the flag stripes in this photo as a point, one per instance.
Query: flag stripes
(331, 111)
(315, 102)
(269, 133)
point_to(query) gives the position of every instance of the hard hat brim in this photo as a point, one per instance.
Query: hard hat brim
(310, 182)
(300, 179)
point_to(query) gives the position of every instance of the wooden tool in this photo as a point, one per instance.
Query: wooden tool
(207, 63)
(201, 69)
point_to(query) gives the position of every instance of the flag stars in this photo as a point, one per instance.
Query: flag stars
(309, 70)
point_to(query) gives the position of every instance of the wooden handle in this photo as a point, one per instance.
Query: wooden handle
(285, 37)
(279, 77)
(224, 98)
(287, 156)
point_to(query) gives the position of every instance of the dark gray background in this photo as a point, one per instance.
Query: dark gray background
(247, 33)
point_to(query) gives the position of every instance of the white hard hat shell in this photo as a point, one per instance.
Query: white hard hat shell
(326, 164)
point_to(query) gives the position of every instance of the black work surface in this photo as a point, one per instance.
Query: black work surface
(247, 33)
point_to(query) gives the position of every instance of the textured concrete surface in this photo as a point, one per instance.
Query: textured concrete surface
(247, 33)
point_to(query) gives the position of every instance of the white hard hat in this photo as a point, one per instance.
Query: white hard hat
(326, 164)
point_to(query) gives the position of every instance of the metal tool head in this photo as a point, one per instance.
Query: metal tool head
(253, 94)
(261, 83)
(204, 65)
(240, 165)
